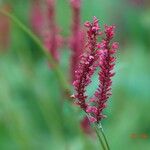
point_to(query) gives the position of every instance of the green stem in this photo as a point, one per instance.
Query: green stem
(64, 84)
(105, 138)
(101, 136)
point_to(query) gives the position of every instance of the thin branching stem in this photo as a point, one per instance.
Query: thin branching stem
(101, 136)
(106, 141)
(63, 82)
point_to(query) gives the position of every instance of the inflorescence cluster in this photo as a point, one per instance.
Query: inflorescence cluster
(97, 55)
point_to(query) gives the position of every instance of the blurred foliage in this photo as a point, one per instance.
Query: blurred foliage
(34, 113)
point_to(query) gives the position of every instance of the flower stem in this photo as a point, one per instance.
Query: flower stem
(101, 136)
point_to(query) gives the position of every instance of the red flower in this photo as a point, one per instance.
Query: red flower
(85, 126)
(87, 64)
(44, 24)
(52, 39)
(98, 55)
(36, 17)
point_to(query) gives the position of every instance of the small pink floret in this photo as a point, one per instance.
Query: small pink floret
(92, 119)
(115, 45)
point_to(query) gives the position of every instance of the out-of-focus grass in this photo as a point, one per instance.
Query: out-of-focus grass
(34, 113)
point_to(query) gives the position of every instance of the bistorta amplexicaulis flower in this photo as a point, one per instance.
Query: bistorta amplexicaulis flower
(97, 55)
(87, 64)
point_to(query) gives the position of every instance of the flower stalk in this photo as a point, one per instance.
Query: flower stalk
(101, 136)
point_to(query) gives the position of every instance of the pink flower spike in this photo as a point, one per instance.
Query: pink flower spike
(97, 55)
(87, 65)
(106, 66)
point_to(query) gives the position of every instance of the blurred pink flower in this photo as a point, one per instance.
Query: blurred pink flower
(106, 65)
(85, 126)
(77, 38)
(44, 24)
(36, 17)
(4, 29)
(52, 39)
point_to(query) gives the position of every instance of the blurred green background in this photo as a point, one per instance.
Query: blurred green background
(34, 114)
